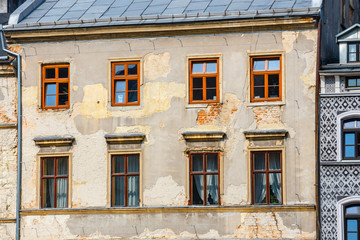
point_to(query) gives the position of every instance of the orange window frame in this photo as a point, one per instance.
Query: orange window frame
(203, 75)
(126, 77)
(56, 81)
(266, 73)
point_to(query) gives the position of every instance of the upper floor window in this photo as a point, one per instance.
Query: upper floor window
(125, 178)
(352, 222)
(266, 177)
(54, 182)
(125, 83)
(353, 52)
(266, 79)
(55, 86)
(353, 82)
(351, 139)
(204, 80)
(204, 179)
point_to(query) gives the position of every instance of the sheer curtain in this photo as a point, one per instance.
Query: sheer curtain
(133, 181)
(275, 178)
(212, 182)
(260, 182)
(199, 180)
(62, 183)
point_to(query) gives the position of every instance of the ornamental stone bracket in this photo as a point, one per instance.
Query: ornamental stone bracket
(265, 134)
(54, 140)
(125, 138)
(203, 136)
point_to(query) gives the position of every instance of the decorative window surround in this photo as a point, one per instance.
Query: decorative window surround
(203, 136)
(54, 140)
(340, 214)
(265, 134)
(125, 138)
(339, 118)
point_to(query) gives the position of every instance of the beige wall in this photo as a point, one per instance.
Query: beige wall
(163, 115)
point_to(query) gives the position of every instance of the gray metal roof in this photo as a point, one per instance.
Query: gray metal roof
(110, 12)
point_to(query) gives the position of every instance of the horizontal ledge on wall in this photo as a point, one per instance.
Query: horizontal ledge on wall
(341, 163)
(54, 140)
(186, 209)
(203, 136)
(125, 138)
(265, 134)
(8, 125)
(7, 220)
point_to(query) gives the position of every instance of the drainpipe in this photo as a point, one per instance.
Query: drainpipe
(19, 131)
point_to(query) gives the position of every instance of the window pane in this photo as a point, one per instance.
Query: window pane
(273, 79)
(349, 151)
(211, 67)
(259, 80)
(352, 57)
(274, 64)
(211, 82)
(120, 86)
(119, 164)
(197, 83)
(120, 97)
(274, 161)
(259, 65)
(211, 94)
(133, 163)
(259, 160)
(197, 95)
(133, 191)
(197, 162)
(62, 166)
(132, 84)
(211, 189)
(349, 124)
(63, 72)
(352, 236)
(48, 167)
(354, 209)
(197, 67)
(50, 73)
(62, 193)
(198, 189)
(50, 100)
(260, 188)
(352, 225)
(352, 48)
(119, 69)
(63, 99)
(132, 96)
(119, 190)
(358, 82)
(212, 162)
(259, 92)
(48, 193)
(50, 88)
(351, 82)
(273, 92)
(132, 69)
(63, 88)
(275, 188)
(349, 138)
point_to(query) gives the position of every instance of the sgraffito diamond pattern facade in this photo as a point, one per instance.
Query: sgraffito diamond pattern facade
(336, 181)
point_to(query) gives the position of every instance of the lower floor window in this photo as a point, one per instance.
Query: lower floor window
(125, 180)
(204, 178)
(352, 222)
(54, 182)
(266, 177)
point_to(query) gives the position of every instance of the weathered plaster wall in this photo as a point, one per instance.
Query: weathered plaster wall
(163, 115)
(8, 152)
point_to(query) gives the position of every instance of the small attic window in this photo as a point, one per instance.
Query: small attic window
(353, 52)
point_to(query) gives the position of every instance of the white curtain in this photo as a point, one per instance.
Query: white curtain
(260, 180)
(133, 190)
(275, 178)
(61, 193)
(198, 180)
(212, 181)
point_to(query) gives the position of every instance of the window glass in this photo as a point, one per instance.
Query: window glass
(259, 65)
(119, 69)
(198, 67)
(352, 210)
(132, 69)
(274, 64)
(50, 73)
(197, 162)
(63, 72)
(212, 189)
(55, 90)
(211, 67)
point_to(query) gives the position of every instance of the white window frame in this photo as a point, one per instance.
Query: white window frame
(340, 206)
(339, 118)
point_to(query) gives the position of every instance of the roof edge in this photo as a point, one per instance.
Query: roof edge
(346, 31)
(25, 9)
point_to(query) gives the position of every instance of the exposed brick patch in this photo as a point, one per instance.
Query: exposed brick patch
(267, 115)
(210, 114)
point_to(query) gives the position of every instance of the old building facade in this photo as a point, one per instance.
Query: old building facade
(167, 119)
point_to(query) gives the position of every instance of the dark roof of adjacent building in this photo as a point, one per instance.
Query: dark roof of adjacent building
(86, 13)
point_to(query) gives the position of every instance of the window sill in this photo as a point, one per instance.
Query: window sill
(200, 105)
(124, 108)
(260, 104)
(172, 209)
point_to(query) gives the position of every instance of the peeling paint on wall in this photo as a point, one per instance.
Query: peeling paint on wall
(156, 65)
